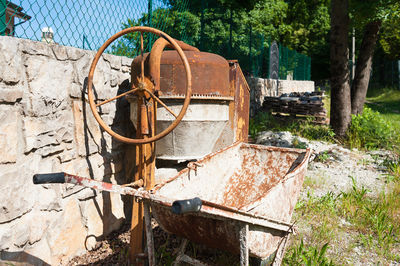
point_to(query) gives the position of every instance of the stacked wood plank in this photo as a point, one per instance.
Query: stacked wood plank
(308, 104)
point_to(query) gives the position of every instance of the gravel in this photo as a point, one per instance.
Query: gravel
(333, 167)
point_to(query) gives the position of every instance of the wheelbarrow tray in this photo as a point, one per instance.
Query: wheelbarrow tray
(241, 184)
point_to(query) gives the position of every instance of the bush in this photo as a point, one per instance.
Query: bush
(312, 131)
(370, 130)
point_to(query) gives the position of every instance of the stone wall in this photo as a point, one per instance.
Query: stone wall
(260, 87)
(46, 126)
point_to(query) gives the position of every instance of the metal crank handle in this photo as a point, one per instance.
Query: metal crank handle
(64, 178)
(186, 206)
(58, 178)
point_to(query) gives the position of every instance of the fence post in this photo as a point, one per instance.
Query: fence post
(149, 22)
(261, 61)
(398, 73)
(230, 34)
(250, 61)
(3, 23)
(202, 25)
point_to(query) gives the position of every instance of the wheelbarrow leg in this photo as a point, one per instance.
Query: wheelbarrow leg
(182, 257)
(149, 234)
(244, 249)
(281, 251)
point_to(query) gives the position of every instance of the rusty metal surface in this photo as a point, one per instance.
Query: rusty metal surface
(241, 184)
(139, 80)
(210, 73)
(215, 80)
(154, 62)
(242, 101)
(255, 180)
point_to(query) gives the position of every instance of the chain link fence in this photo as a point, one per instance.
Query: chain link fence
(88, 24)
(385, 73)
(224, 32)
(83, 24)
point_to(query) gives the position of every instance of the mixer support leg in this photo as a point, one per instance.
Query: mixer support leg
(244, 249)
(149, 234)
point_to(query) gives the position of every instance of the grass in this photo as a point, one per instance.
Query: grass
(264, 121)
(387, 103)
(377, 128)
(379, 125)
(354, 226)
(367, 222)
(371, 130)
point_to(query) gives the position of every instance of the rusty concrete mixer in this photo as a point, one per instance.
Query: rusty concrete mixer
(244, 207)
(219, 108)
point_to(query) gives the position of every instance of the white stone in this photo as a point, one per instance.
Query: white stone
(43, 131)
(75, 90)
(18, 194)
(59, 51)
(76, 54)
(109, 218)
(101, 78)
(66, 236)
(67, 156)
(48, 82)
(10, 95)
(8, 134)
(115, 61)
(11, 69)
(87, 131)
(34, 47)
(40, 253)
(126, 61)
(46, 132)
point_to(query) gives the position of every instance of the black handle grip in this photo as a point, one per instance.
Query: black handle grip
(186, 206)
(49, 178)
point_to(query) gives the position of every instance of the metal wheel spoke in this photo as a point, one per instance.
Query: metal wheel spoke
(161, 102)
(141, 53)
(116, 97)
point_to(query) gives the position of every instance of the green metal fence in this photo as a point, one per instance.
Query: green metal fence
(88, 24)
(385, 73)
(223, 32)
(83, 24)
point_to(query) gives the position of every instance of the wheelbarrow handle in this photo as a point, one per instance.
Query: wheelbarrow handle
(186, 206)
(49, 178)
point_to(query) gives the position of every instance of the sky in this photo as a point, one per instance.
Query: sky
(75, 20)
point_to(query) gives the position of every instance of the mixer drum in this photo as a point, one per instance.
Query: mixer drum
(208, 112)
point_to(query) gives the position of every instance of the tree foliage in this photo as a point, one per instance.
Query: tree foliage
(309, 26)
(390, 32)
(367, 16)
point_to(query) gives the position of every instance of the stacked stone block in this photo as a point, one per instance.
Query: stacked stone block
(260, 88)
(46, 126)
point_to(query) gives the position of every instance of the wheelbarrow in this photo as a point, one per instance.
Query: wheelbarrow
(238, 199)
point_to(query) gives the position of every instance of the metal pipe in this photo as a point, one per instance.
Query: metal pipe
(149, 234)
(155, 57)
(3, 22)
(208, 208)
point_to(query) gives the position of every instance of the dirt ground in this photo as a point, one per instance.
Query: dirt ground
(114, 250)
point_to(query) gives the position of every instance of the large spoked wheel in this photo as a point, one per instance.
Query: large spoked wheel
(142, 88)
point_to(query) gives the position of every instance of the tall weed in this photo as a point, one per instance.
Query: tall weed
(370, 130)
(307, 255)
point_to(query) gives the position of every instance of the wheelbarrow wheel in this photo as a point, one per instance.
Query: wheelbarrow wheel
(140, 89)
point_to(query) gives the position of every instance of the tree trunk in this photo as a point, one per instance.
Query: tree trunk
(339, 56)
(363, 67)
